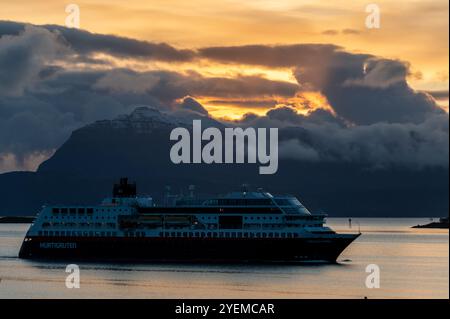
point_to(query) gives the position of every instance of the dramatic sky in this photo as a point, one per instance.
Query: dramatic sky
(376, 95)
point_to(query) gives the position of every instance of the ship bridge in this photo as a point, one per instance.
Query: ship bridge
(291, 205)
(287, 203)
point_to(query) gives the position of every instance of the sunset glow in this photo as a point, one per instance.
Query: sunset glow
(415, 32)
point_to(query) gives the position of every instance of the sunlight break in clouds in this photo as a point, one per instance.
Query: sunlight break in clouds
(233, 60)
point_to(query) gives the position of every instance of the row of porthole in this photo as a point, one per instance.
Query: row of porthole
(228, 235)
(77, 233)
(96, 225)
(263, 218)
(79, 217)
(83, 211)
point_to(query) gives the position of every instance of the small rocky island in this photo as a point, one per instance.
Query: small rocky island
(16, 219)
(442, 223)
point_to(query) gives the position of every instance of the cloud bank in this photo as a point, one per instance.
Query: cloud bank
(373, 117)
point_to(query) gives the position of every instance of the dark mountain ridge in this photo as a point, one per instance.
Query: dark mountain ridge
(84, 168)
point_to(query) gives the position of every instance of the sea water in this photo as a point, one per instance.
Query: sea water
(412, 263)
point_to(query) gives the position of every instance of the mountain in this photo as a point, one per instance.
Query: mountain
(137, 145)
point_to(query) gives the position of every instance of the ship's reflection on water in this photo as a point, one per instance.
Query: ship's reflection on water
(413, 264)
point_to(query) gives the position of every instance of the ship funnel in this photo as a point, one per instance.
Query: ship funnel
(124, 189)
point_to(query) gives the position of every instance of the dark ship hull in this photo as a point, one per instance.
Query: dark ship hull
(189, 250)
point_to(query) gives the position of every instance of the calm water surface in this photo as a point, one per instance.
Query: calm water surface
(414, 263)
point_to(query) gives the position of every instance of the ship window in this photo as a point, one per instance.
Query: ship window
(73, 211)
(81, 211)
(55, 210)
(63, 210)
(230, 222)
(90, 211)
(295, 235)
(270, 235)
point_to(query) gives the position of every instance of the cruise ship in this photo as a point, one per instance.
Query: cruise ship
(253, 226)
